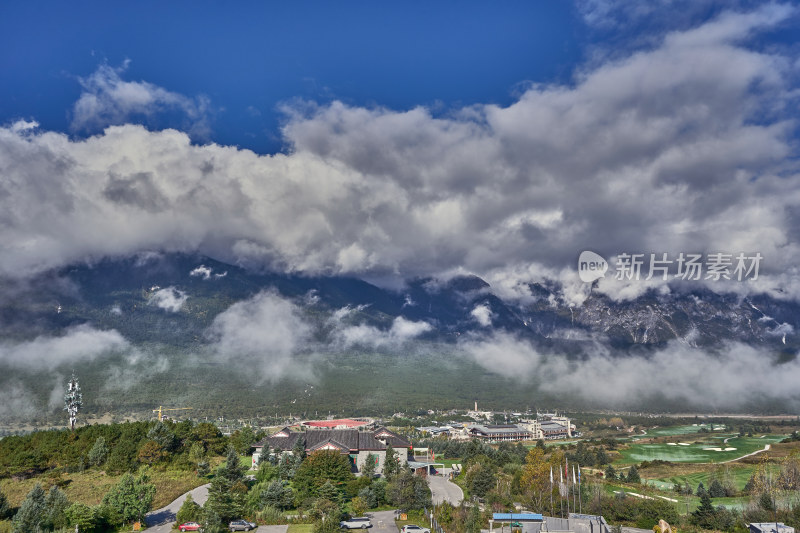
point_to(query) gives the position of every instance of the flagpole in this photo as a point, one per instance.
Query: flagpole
(551, 490)
(560, 489)
(580, 496)
(566, 475)
(573, 488)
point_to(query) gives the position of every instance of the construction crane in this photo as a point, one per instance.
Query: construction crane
(160, 409)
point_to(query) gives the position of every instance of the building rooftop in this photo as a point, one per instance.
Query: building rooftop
(498, 429)
(340, 423)
(771, 527)
(344, 439)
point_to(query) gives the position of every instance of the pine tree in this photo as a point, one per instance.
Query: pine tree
(329, 491)
(633, 475)
(601, 456)
(611, 474)
(56, 504)
(99, 452)
(162, 435)
(83, 516)
(368, 471)
(299, 450)
(319, 467)
(704, 515)
(391, 465)
(369, 497)
(213, 522)
(716, 490)
(482, 481)
(31, 513)
(132, 497)
(276, 493)
(5, 507)
(197, 453)
(190, 511)
(233, 470)
(226, 499)
(474, 521)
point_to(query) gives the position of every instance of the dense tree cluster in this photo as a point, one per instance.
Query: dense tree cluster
(116, 448)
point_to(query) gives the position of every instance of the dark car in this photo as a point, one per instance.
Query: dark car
(241, 525)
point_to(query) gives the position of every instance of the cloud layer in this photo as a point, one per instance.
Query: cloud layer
(683, 146)
(735, 377)
(80, 343)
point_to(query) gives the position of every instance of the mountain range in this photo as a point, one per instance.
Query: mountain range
(183, 333)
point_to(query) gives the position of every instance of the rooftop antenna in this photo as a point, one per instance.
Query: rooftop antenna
(73, 400)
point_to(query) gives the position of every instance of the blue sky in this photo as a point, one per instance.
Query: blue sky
(398, 140)
(249, 57)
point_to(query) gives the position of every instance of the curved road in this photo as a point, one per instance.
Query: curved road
(444, 490)
(161, 520)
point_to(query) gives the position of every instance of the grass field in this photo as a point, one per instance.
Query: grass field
(694, 451)
(414, 517)
(683, 502)
(739, 474)
(90, 486)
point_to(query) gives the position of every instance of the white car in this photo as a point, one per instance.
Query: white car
(411, 528)
(359, 522)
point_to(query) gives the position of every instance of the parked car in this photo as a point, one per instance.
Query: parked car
(241, 525)
(359, 522)
(190, 526)
(411, 528)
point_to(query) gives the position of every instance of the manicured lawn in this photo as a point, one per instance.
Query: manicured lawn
(694, 452)
(739, 474)
(683, 501)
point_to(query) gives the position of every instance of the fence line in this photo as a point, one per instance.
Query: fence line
(436, 528)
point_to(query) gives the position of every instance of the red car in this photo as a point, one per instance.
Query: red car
(190, 526)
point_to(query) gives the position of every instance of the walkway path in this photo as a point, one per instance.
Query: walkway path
(767, 447)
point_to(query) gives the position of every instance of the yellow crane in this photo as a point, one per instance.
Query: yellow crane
(160, 409)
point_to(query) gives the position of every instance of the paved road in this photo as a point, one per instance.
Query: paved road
(161, 520)
(382, 522)
(444, 490)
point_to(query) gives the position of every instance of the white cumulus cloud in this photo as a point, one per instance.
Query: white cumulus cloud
(682, 145)
(265, 336)
(169, 299)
